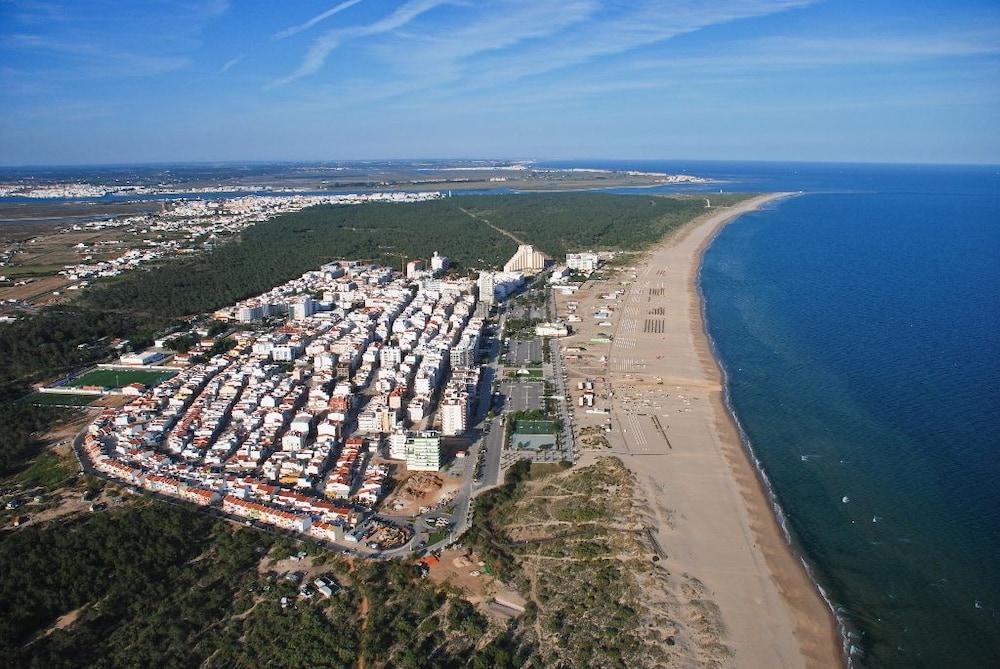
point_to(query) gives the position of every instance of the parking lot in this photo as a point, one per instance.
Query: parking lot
(529, 312)
(525, 351)
(522, 395)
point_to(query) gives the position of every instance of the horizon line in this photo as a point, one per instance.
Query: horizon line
(285, 161)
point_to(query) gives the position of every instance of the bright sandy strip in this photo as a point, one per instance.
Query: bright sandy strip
(671, 426)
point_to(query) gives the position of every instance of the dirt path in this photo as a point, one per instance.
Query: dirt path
(517, 240)
(363, 612)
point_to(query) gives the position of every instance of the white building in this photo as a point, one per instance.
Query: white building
(498, 285)
(526, 259)
(585, 262)
(465, 354)
(454, 416)
(413, 267)
(248, 314)
(487, 287)
(397, 446)
(439, 263)
(423, 452)
(142, 358)
(551, 330)
(559, 275)
(303, 308)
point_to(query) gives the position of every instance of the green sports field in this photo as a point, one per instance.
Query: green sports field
(117, 378)
(535, 427)
(60, 399)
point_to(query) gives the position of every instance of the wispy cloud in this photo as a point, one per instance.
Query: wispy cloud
(479, 56)
(68, 111)
(231, 63)
(294, 30)
(641, 24)
(324, 45)
(801, 53)
(486, 45)
(95, 60)
(886, 47)
(64, 41)
(31, 12)
(509, 25)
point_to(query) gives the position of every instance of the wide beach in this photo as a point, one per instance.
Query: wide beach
(710, 512)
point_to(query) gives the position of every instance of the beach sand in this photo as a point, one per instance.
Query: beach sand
(711, 513)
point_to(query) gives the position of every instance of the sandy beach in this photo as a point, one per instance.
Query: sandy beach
(664, 393)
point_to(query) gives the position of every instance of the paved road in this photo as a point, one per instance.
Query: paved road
(493, 444)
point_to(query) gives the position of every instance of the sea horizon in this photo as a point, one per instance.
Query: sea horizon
(542, 161)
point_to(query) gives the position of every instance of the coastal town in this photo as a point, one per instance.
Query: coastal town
(306, 405)
(364, 408)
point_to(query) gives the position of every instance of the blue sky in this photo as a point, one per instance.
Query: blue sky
(97, 81)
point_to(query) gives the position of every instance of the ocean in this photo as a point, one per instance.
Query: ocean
(859, 327)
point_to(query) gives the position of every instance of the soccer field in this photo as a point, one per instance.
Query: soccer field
(535, 427)
(117, 378)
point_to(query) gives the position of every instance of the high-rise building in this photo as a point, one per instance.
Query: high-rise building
(413, 267)
(388, 418)
(454, 415)
(390, 356)
(250, 314)
(585, 262)
(465, 353)
(527, 259)
(303, 308)
(423, 451)
(439, 263)
(397, 445)
(487, 287)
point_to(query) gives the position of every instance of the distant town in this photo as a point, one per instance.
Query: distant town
(112, 246)
(64, 231)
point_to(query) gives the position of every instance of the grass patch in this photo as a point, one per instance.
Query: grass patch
(436, 536)
(533, 373)
(542, 469)
(60, 399)
(47, 470)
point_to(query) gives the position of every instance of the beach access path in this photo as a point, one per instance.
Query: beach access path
(670, 425)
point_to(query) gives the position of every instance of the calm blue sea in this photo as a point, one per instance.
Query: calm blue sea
(859, 326)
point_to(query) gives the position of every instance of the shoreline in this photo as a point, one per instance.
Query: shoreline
(710, 505)
(789, 565)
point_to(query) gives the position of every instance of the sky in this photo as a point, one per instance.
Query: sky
(97, 81)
